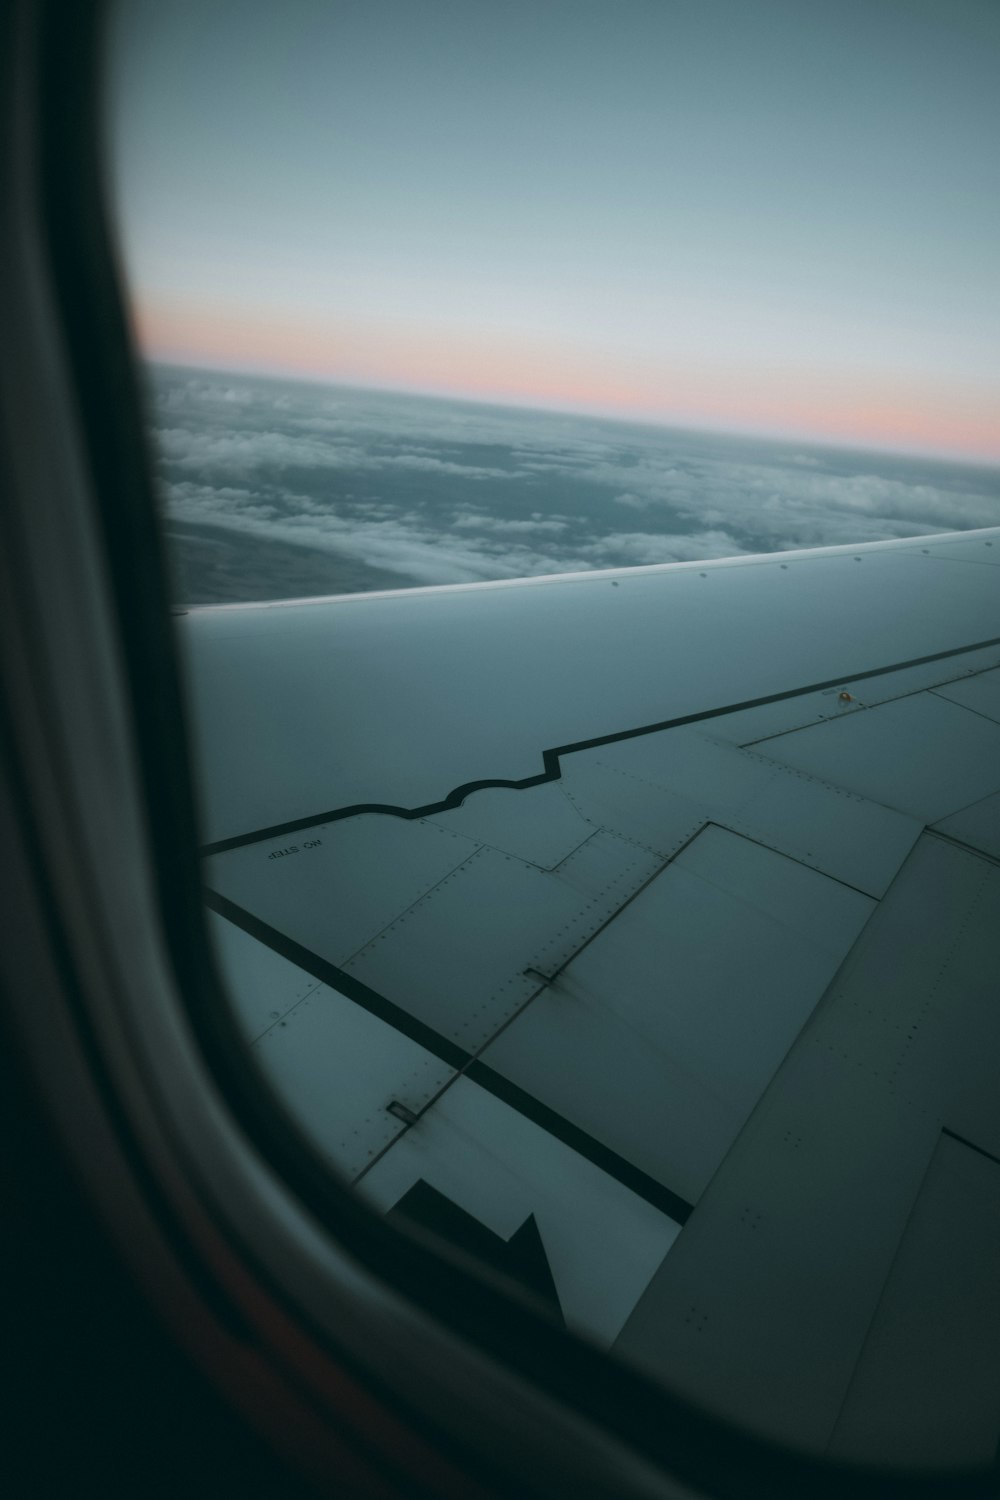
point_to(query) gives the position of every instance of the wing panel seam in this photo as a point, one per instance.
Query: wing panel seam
(551, 758)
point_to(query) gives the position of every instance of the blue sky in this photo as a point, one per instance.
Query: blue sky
(768, 217)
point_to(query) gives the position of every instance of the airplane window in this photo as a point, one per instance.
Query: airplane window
(620, 920)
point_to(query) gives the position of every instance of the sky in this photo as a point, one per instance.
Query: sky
(761, 216)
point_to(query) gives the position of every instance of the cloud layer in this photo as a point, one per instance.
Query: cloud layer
(425, 491)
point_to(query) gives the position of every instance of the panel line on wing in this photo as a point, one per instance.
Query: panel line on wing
(466, 1063)
(964, 1141)
(640, 1183)
(990, 719)
(551, 758)
(744, 831)
(934, 832)
(328, 973)
(934, 685)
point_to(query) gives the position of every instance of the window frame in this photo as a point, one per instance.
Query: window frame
(366, 1339)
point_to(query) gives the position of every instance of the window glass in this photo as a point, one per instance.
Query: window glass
(628, 932)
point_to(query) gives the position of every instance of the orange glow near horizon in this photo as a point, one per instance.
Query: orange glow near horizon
(899, 412)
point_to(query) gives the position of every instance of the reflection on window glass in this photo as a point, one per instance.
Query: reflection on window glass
(630, 934)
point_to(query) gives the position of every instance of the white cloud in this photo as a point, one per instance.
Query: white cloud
(400, 543)
(247, 452)
(224, 506)
(474, 520)
(633, 548)
(796, 505)
(434, 466)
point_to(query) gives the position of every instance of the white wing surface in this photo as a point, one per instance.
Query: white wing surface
(643, 926)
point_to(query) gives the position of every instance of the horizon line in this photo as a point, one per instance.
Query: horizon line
(580, 413)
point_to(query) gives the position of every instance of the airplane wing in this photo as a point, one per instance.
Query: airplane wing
(637, 933)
